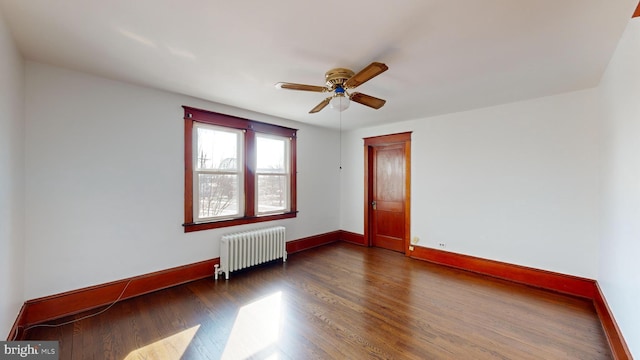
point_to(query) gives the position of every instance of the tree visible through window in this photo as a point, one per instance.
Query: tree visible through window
(218, 192)
(237, 171)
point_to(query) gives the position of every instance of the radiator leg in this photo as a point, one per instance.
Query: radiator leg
(226, 275)
(216, 271)
(284, 258)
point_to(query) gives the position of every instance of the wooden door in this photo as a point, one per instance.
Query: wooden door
(387, 193)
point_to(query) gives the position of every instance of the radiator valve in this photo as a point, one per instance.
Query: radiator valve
(216, 271)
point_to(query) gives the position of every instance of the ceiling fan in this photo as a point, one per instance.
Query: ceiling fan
(338, 81)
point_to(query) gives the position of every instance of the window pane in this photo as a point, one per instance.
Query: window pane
(272, 193)
(217, 149)
(218, 196)
(271, 153)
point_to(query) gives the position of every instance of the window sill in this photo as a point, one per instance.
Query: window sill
(190, 227)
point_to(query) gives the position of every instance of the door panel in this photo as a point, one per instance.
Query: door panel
(388, 183)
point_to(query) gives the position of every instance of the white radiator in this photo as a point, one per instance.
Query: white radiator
(248, 248)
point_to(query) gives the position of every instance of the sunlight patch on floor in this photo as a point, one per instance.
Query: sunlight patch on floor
(172, 347)
(256, 329)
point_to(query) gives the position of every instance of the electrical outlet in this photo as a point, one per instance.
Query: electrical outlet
(442, 245)
(411, 248)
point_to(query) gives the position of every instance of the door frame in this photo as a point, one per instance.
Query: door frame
(369, 143)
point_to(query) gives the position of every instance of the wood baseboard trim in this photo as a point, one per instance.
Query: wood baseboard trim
(567, 284)
(52, 307)
(617, 344)
(48, 308)
(312, 241)
(352, 237)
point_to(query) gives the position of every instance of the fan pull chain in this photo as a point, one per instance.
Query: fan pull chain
(340, 162)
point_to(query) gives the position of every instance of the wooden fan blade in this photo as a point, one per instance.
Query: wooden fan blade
(367, 100)
(374, 69)
(320, 106)
(303, 87)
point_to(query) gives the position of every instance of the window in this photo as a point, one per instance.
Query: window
(237, 171)
(272, 172)
(217, 174)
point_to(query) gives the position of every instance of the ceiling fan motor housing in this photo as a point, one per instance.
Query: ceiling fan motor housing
(337, 76)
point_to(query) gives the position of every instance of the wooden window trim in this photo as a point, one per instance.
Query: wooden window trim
(250, 127)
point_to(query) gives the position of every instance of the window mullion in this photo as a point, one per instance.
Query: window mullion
(250, 178)
(293, 169)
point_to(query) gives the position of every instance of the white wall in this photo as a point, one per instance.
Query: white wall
(12, 221)
(105, 186)
(619, 275)
(516, 183)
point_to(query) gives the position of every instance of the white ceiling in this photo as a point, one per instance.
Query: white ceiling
(443, 55)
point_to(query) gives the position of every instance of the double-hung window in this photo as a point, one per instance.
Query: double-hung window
(237, 171)
(218, 173)
(272, 174)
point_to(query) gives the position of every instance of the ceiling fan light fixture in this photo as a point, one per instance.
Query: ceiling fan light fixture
(340, 102)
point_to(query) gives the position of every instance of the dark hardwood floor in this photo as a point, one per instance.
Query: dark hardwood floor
(340, 301)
